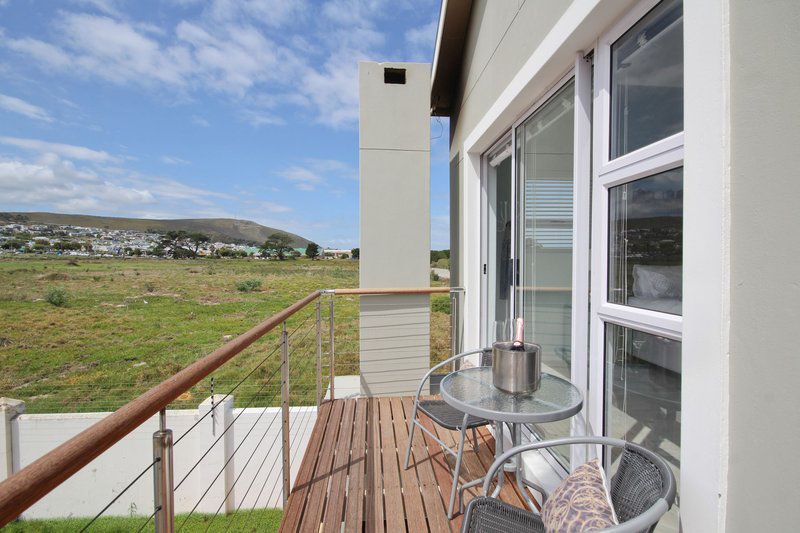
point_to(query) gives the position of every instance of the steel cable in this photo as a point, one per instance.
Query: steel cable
(118, 496)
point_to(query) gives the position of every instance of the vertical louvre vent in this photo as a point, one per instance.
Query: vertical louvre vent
(396, 76)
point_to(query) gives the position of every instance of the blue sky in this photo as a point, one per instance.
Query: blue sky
(189, 108)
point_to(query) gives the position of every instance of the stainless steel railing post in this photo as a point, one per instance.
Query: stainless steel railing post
(285, 413)
(163, 491)
(333, 350)
(319, 353)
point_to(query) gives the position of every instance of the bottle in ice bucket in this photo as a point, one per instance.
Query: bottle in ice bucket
(516, 365)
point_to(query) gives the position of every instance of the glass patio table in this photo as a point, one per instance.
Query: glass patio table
(471, 391)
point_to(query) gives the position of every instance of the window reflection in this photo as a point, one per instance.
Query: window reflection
(643, 397)
(645, 243)
(647, 80)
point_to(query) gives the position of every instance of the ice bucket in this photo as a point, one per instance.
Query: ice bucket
(516, 370)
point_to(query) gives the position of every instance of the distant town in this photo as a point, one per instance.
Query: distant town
(69, 240)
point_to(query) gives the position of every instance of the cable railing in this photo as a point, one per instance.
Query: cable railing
(277, 397)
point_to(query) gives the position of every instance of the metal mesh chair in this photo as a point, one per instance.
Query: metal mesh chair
(642, 491)
(449, 418)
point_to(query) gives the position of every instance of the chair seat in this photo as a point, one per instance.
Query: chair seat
(448, 417)
(489, 515)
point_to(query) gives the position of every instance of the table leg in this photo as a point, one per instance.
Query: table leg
(498, 451)
(519, 476)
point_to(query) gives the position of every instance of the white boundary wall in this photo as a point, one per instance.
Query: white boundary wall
(91, 488)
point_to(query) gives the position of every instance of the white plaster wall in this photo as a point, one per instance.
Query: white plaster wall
(394, 160)
(90, 489)
(763, 464)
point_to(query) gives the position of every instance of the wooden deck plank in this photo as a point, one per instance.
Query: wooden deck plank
(302, 483)
(441, 468)
(392, 489)
(334, 510)
(352, 471)
(435, 511)
(374, 476)
(354, 512)
(412, 498)
(312, 514)
(509, 492)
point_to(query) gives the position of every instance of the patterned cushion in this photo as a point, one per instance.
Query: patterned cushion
(580, 503)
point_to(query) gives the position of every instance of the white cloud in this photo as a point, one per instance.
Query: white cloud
(64, 150)
(272, 207)
(255, 52)
(53, 182)
(197, 120)
(17, 105)
(109, 7)
(421, 41)
(172, 160)
(317, 172)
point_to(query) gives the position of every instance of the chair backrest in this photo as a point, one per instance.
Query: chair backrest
(637, 484)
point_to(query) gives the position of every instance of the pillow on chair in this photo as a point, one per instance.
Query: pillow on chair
(580, 503)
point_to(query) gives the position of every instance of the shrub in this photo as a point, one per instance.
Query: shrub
(57, 296)
(440, 304)
(442, 263)
(248, 285)
(434, 276)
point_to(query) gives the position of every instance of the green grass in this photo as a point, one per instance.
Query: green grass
(258, 520)
(128, 324)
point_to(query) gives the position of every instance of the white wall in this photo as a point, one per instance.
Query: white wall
(86, 492)
(394, 161)
(764, 430)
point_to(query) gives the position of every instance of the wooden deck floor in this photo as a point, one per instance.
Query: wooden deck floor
(352, 475)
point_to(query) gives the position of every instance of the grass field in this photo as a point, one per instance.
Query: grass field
(257, 520)
(130, 323)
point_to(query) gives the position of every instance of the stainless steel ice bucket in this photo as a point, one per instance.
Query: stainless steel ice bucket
(516, 371)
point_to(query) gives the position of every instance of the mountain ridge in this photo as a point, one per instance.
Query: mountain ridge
(229, 230)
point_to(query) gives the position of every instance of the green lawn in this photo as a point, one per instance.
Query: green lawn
(130, 323)
(257, 520)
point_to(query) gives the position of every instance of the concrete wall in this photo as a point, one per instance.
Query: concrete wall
(88, 491)
(394, 154)
(764, 467)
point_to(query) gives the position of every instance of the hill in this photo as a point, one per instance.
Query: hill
(228, 230)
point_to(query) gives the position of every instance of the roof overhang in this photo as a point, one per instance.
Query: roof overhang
(450, 37)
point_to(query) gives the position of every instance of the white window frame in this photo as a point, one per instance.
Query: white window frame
(660, 156)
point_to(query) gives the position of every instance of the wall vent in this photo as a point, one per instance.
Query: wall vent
(396, 76)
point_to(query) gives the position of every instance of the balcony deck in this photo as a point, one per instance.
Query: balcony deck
(352, 477)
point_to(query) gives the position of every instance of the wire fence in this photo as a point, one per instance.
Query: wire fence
(259, 392)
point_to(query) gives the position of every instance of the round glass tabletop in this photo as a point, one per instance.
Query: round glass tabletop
(471, 391)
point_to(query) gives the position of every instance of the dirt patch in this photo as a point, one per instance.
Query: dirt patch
(54, 276)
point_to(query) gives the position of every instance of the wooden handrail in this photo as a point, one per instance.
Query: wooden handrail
(33, 482)
(416, 290)
(29, 485)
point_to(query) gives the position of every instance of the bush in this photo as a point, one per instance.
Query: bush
(248, 285)
(440, 304)
(442, 263)
(434, 276)
(57, 296)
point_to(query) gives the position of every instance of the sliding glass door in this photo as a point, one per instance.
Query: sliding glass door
(498, 267)
(528, 236)
(544, 157)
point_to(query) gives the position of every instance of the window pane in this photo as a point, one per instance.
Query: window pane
(544, 295)
(643, 397)
(647, 80)
(646, 243)
(498, 233)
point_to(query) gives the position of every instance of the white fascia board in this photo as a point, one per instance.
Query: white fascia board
(442, 11)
